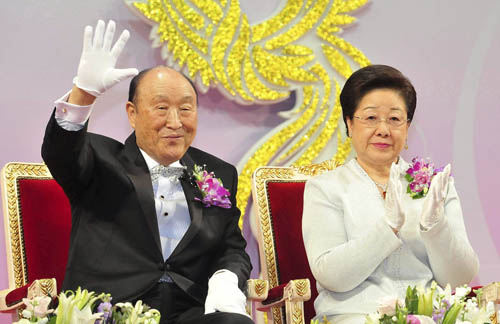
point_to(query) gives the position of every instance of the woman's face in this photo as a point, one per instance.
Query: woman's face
(379, 128)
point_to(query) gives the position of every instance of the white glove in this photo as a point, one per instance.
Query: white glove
(96, 71)
(224, 294)
(433, 209)
(394, 214)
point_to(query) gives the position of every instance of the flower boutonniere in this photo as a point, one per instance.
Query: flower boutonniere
(419, 176)
(212, 190)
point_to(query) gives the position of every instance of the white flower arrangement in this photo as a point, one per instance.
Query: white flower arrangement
(79, 307)
(434, 305)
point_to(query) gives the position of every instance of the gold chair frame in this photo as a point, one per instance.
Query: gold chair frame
(13, 232)
(297, 291)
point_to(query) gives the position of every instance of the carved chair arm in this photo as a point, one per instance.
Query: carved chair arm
(11, 299)
(257, 290)
(292, 296)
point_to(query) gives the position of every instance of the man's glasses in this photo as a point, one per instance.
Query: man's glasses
(373, 121)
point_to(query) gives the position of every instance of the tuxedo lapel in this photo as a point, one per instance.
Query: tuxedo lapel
(195, 207)
(138, 172)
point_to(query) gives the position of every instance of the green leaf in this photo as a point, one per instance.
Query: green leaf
(411, 300)
(418, 196)
(479, 293)
(451, 315)
(401, 318)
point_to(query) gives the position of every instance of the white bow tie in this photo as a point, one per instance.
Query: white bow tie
(166, 171)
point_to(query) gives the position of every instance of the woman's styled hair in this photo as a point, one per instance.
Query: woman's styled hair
(376, 77)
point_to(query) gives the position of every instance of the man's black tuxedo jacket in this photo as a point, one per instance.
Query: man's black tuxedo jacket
(115, 242)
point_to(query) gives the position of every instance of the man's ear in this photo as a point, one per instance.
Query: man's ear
(131, 113)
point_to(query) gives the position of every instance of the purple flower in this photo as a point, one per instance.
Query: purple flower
(412, 319)
(106, 309)
(419, 176)
(438, 314)
(212, 190)
(422, 178)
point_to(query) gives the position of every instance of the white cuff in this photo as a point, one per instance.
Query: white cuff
(70, 116)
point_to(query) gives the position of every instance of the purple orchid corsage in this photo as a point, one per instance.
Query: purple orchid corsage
(211, 188)
(419, 176)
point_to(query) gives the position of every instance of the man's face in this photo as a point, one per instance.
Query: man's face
(164, 115)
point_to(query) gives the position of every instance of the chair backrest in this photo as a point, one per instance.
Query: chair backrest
(37, 221)
(278, 199)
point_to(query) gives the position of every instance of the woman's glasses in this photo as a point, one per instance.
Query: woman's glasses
(373, 120)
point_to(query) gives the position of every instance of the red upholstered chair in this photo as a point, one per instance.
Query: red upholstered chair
(278, 199)
(37, 222)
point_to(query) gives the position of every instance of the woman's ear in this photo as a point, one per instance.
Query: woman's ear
(349, 126)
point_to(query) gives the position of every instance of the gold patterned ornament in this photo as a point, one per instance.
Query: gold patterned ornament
(18, 275)
(296, 50)
(297, 315)
(260, 287)
(301, 287)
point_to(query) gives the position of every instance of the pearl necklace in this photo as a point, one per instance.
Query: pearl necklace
(382, 187)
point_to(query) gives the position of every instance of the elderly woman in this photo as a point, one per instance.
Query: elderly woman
(365, 236)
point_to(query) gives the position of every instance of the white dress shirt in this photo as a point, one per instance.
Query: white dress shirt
(355, 256)
(171, 208)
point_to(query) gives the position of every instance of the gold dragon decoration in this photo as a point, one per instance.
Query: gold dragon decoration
(297, 50)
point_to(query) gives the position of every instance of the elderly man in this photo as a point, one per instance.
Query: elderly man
(140, 226)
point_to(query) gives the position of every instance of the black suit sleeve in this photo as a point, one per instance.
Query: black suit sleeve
(233, 256)
(68, 157)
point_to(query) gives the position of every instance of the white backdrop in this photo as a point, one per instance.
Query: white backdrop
(449, 49)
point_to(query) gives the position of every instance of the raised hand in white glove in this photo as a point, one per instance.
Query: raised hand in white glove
(96, 71)
(224, 294)
(394, 214)
(433, 209)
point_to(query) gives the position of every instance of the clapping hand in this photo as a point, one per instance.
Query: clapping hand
(394, 214)
(433, 209)
(96, 71)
